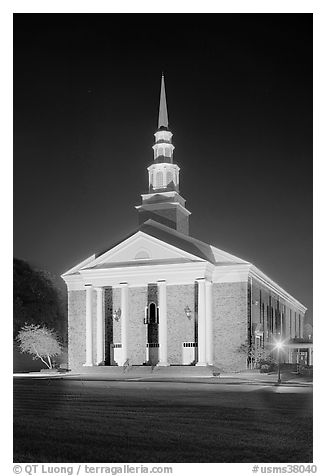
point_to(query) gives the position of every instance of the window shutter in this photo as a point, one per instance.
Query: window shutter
(146, 315)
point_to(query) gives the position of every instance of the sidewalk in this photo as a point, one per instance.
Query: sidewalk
(238, 378)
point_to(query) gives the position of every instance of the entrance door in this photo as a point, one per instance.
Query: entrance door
(152, 334)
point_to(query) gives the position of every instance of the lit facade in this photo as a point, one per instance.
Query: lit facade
(160, 297)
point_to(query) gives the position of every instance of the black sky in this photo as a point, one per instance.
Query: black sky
(239, 92)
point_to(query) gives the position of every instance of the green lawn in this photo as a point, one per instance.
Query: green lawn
(102, 421)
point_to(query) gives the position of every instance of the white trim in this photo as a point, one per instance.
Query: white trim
(162, 206)
(202, 356)
(78, 266)
(99, 325)
(109, 255)
(227, 256)
(170, 193)
(231, 273)
(185, 273)
(270, 284)
(89, 326)
(163, 165)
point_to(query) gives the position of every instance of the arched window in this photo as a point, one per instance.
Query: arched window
(151, 314)
(159, 180)
(142, 255)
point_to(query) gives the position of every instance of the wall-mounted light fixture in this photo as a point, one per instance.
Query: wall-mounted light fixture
(116, 314)
(188, 312)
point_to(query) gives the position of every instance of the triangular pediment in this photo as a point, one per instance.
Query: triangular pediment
(155, 244)
(142, 249)
(137, 250)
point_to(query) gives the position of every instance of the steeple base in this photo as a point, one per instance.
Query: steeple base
(166, 208)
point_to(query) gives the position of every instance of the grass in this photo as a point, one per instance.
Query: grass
(101, 421)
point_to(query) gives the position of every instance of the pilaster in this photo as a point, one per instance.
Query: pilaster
(99, 326)
(201, 322)
(209, 322)
(89, 327)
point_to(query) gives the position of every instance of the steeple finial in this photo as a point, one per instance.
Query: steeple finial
(163, 112)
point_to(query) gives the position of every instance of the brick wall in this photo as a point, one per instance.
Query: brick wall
(76, 329)
(136, 327)
(229, 325)
(180, 328)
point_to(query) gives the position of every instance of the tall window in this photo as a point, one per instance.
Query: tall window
(159, 180)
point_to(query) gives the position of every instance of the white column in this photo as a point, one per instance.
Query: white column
(201, 322)
(301, 326)
(99, 326)
(163, 327)
(310, 356)
(124, 321)
(209, 323)
(89, 327)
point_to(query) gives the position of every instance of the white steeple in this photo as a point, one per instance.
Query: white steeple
(163, 203)
(163, 111)
(163, 174)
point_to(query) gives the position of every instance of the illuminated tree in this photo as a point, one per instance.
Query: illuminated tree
(40, 342)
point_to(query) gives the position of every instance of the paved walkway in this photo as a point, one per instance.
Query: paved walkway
(229, 378)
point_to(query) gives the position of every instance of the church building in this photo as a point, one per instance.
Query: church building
(162, 298)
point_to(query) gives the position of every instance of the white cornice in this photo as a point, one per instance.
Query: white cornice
(162, 206)
(231, 273)
(255, 273)
(135, 276)
(78, 266)
(163, 165)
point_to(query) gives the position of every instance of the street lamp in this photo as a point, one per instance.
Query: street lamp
(279, 346)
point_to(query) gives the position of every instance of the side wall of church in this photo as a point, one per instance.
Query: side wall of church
(230, 325)
(275, 316)
(180, 328)
(76, 329)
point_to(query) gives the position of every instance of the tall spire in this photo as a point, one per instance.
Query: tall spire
(163, 113)
(163, 203)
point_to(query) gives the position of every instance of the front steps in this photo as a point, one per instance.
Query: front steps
(145, 371)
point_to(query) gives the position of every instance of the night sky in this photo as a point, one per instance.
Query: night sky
(239, 93)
